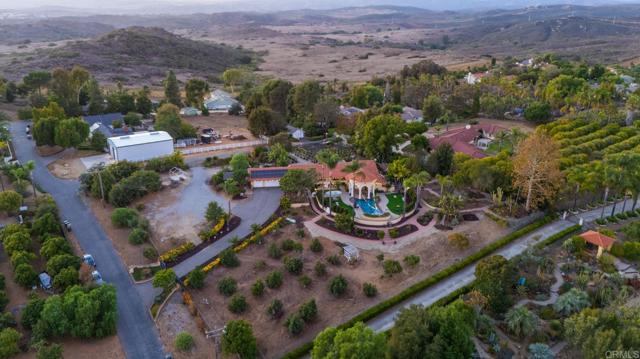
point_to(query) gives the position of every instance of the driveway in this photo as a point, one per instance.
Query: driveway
(137, 332)
(260, 205)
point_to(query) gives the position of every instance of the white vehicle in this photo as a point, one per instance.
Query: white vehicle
(88, 258)
(97, 278)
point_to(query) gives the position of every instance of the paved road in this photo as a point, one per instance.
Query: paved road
(137, 332)
(465, 276)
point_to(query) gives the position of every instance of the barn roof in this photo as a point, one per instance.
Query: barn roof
(598, 239)
(140, 138)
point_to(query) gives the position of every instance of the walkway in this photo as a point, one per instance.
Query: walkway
(557, 274)
(137, 332)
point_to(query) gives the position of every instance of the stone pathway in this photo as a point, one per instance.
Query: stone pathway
(557, 273)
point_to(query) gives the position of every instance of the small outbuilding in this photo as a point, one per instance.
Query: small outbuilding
(599, 240)
(140, 146)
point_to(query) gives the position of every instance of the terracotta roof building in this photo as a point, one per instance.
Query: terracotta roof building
(362, 181)
(604, 243)
(469, 140)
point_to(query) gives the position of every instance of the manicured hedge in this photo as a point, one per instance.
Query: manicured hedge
(428, 282)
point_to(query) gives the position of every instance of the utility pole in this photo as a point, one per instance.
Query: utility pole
(101, 187)
(229, 216)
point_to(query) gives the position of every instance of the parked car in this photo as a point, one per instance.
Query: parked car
(88, 258)
(67, 225)
(45, 280)
(97, 277)
(28, 129)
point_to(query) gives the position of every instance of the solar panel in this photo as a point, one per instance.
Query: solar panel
(267, 173)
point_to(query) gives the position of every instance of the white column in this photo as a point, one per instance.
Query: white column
(369, 192)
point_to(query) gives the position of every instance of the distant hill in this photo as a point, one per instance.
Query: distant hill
(135, 54)
(49, 30)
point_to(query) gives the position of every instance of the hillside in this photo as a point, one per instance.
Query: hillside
(50, 30)
(134, 54)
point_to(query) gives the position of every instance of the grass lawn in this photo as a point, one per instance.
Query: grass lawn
(337, 202)
(395, 204)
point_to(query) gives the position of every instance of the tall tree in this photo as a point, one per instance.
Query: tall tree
(71, 132)
(238, 339)
(432, 108)
(143, 103)
(536, 168)
(304, 96)
(168, 119)
(172, 89)
(358, 341)
(36, 80)
(96, 97)
(494, 276)
(330, 160)
(378, 136)
(195, 90)
(264, 121)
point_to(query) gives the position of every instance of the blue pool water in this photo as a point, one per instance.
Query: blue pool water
(369, 207)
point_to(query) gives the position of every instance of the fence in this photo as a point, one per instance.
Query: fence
(218, 147)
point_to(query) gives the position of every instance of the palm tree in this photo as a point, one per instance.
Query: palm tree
(30, 166)
(521, 321)
(501, 137)
(449, 205)
(576, 176)
(572, 301)
(444, 182)
(415, 181)
(516, 135)
(330, 159)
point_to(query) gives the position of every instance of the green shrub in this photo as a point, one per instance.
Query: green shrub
(459, 240)
(124, 217)
(290, 245)
(184, 341)
(275, 309)
(150, 253)
(164, 164)
(196, 278)
(227, 286)
(229, 258)
(293, 265)
(133, 187)
(308, 311)
(394, 233)
(338, 286)
(316, 246)
(380, 234)
(138, 236)
(334, 259)
(274, 251)
(294, 324)
(320, 269)
(238, 304)
(25, 275)
(391, 267)
(257, 289)
(412, 260)
(369, 289)
(305, 281)
(21, 257)
(274, 279)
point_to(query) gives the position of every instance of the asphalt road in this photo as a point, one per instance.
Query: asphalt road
(136, 330)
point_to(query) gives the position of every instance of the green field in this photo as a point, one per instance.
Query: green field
(396, 203)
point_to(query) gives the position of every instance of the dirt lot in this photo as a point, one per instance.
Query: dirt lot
(226, 125)
(130, 254)
(69, 166)
(175, 318)
(273, 338)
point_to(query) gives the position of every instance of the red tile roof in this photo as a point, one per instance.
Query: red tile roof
(598, 239)
(461, 139)
(368, 171)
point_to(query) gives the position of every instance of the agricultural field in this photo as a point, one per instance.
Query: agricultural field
(388, 268)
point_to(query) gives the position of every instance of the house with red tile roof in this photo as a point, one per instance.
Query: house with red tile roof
(470, 140)
(362, 179)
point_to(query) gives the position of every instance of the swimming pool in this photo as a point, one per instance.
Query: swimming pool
(369, 207)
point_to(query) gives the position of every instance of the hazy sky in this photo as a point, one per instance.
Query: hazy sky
(274, 5)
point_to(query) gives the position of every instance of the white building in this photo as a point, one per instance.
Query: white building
(295, 132)
(140, 146)
(473, 79)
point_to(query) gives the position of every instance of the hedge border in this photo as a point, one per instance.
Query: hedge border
(381, 307)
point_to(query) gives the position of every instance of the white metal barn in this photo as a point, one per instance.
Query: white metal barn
(140, 146)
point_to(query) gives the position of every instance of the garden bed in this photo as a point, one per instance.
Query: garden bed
(143, 273)
(469, 217)
(357, 232)
(234, 222)
(403, 230)
(425, 219)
